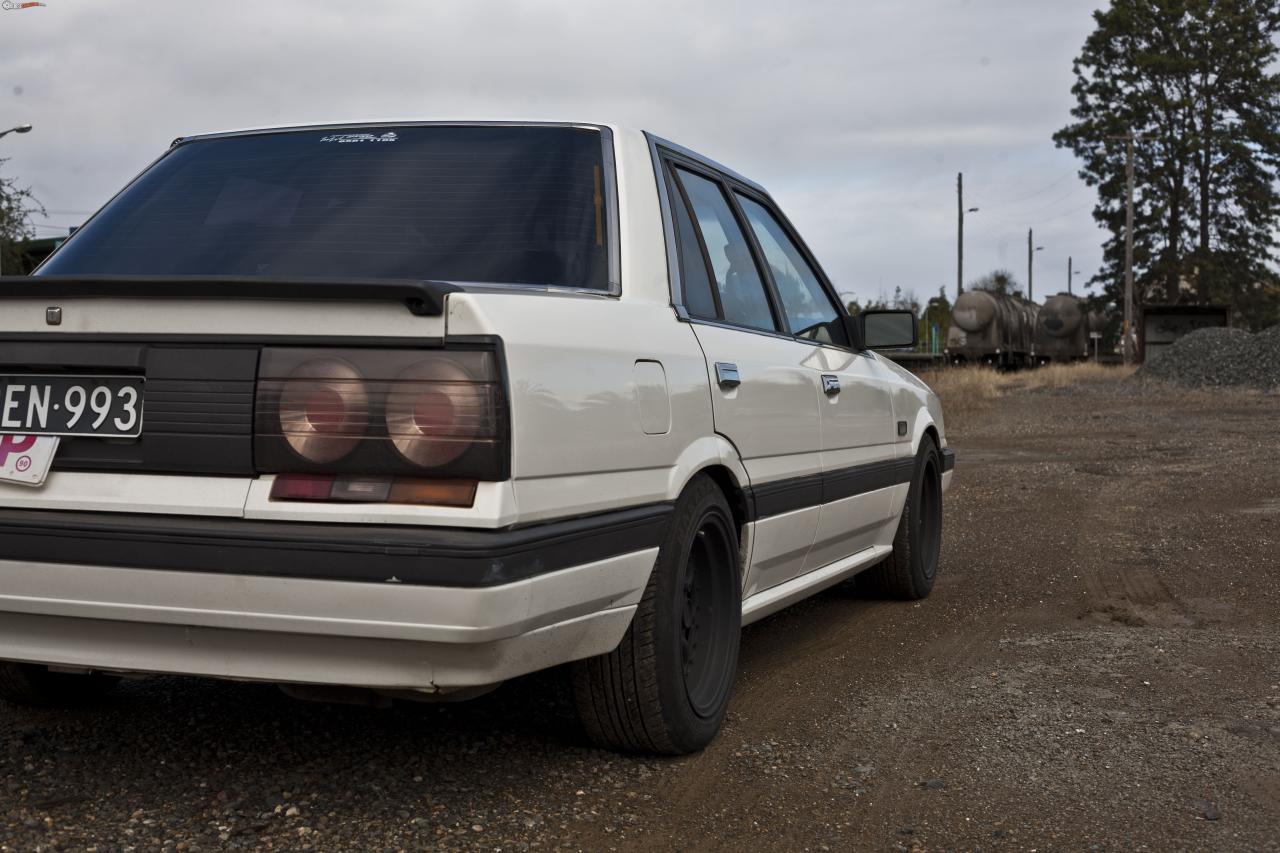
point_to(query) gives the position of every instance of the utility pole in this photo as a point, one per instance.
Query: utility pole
(1127, 345)
(1031, 254)
(1068, 275)
(960, 212)
(959, 234)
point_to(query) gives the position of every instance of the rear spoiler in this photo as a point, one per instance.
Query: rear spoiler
(424, 298)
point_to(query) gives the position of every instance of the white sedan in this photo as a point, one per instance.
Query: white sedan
(405, 410)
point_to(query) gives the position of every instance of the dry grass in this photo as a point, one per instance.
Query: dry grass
(968, 391)
(1061, 375)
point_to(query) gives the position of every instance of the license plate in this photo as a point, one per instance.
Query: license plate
(104, 406)
(26, 459)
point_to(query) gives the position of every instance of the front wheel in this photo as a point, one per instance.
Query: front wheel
(666, 687)
(910, 569)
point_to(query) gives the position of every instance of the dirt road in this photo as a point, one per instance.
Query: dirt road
(1097, 669)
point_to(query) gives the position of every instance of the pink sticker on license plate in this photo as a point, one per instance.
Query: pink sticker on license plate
(26, 459)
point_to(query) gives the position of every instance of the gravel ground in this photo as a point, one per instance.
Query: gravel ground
(1097, 669)
(1219, 357)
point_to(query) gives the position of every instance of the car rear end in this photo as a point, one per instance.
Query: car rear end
(248, 431)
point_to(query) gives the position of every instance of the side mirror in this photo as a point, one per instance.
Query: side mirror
(853, 332)
(888, 329)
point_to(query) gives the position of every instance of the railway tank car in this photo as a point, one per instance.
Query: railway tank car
(990, 327)
(1062, 329)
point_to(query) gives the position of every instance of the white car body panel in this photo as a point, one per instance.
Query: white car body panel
(613, 403)
(571, 373)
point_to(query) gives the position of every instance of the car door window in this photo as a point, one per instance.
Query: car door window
(742, 295)
(695, 282)
(809, 309)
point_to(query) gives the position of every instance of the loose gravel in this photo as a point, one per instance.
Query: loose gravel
(1098, 668)
(1219, 357)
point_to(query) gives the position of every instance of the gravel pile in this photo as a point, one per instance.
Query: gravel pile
(1219, 357)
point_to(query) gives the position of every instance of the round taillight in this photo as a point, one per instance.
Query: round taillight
(324, 409)
(435, 410)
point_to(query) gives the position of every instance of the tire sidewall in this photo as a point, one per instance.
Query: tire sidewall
(689, 730)
(924, 567)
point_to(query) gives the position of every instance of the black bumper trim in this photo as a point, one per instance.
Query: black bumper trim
(948, 459)
(430, 556)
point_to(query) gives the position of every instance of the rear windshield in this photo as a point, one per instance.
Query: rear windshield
(520, 205)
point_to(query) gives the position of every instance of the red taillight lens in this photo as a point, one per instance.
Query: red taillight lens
(392, 490)
(378, 412)
(324, 409)
(302, 487)
(435, 412)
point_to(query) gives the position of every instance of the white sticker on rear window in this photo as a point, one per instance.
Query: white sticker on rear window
(389, 136)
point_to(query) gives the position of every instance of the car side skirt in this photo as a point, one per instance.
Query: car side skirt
(783, 595)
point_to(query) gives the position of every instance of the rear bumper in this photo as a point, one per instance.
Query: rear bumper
(433, 556)
(390, 608)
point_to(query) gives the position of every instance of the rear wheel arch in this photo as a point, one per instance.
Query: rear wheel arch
(715, 457)
(733, 492)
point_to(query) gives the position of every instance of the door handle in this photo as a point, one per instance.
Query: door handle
(830, 384)
(727, 375)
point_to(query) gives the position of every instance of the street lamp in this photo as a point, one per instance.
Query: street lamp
(1030, 253)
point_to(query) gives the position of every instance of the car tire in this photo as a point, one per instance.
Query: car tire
(666, 686)
(38, 687)
(911, 568)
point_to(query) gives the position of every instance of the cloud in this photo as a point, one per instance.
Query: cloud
(855, 115)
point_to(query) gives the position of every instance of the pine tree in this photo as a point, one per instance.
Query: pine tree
(1197, 81)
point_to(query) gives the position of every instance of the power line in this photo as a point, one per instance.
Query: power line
(1040, 191)
(1019, 218)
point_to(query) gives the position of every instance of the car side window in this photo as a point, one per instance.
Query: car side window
(695, 282)
(809, 309)
(743, 301)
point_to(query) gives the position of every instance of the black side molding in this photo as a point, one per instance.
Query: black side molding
(424, 298)
(948, 459)
(370, 553)
(781, 496)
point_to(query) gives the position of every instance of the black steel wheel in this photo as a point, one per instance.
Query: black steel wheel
(910, 569)
(708, 646)
(666, 687)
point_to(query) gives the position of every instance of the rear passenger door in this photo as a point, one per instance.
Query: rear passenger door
(857, 426)
(764, 390)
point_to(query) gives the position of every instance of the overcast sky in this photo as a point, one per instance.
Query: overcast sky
(856, 115)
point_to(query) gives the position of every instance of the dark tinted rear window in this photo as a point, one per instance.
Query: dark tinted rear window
(520, 205)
